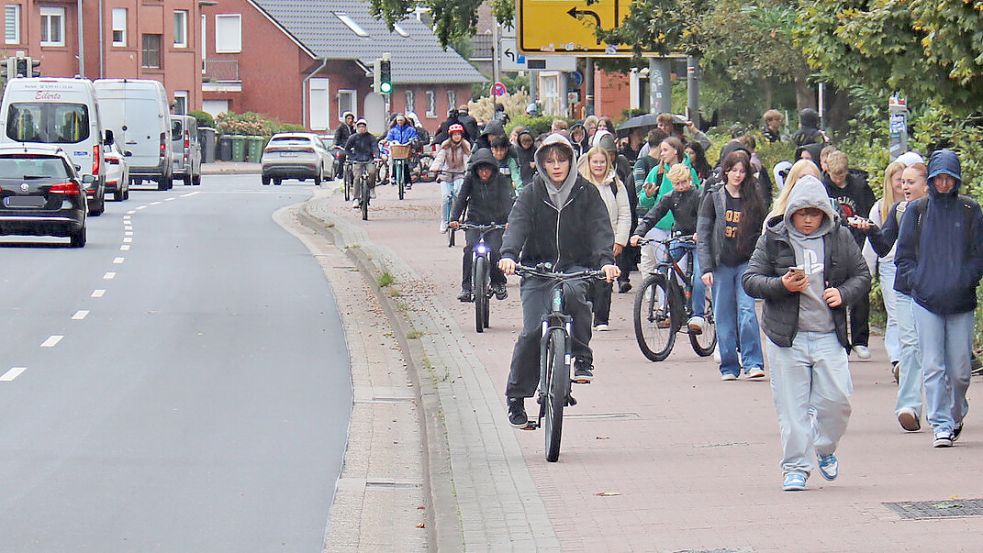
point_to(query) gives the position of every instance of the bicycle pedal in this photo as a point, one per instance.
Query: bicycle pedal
(533, 425)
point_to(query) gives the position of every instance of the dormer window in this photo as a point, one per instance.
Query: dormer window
(350, 23)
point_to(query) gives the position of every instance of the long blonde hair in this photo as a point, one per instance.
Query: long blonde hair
(801, 168)
(583, 165)
(888, 199)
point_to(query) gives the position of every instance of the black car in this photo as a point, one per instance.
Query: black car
(41, 193)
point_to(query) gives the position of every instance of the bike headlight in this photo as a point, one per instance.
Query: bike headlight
(482, 249)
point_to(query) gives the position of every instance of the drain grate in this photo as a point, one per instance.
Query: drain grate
(391, 484)
(951, 508)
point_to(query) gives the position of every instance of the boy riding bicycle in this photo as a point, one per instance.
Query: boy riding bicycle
(362, 148)
(488, 197)
(559, 219)
(684, 203)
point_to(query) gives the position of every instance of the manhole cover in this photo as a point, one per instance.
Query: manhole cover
(950, 508)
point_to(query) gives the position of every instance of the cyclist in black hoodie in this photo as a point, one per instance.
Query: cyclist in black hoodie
(488, 197)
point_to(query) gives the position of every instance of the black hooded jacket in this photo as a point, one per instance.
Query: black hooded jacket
(486, 202)
(808, 132)
(525, 159)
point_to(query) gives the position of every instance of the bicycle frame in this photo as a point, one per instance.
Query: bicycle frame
(682, 284)
(480, 250)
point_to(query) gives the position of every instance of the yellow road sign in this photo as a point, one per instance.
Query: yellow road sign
(567, 26)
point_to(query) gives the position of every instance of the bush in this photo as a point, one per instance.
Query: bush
(535, 125)
(204, 118)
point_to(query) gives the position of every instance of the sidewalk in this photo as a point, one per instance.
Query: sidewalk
(230, 168)
(656, 456)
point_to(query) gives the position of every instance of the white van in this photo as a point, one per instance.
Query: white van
(139, 115)
(62, 112)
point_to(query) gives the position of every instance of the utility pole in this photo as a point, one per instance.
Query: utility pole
(660, 85)
(589, 86)
(693, 90)
(496, 62)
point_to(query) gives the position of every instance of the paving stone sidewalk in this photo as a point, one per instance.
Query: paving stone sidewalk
(656, 457)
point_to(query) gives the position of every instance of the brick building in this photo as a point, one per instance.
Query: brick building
(308, 62)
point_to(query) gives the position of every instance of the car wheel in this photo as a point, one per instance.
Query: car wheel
(276, 182)
(186, 180)
(266, 180)
(119, 195)
(77, 239)
(98, 208)
(317, 180)
(196, 180)
(164, 183)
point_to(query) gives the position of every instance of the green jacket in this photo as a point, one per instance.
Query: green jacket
(658, 175)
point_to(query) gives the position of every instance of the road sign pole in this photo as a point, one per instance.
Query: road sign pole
(561, 85)
(496, 67)
(693, 89)
(660, 85)
(589, 86)
(533, 87)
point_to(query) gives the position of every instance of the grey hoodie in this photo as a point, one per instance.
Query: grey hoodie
(814, 314)
(558, 196)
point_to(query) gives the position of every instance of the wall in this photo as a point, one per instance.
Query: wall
(612, 94)
(420, 101)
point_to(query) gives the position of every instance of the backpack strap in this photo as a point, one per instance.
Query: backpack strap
(614, 188)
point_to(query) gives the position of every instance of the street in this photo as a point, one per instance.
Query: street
(180, 384)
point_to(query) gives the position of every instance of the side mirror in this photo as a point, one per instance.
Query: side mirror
(128, 154)
(110, 138)
(88, 179)
(78, 167)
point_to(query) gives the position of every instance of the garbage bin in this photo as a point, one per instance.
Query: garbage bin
(255, 150)
(239, 148)
(225, 148)
(206, 137)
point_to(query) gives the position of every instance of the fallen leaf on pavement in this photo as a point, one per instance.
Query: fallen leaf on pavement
(607, 494)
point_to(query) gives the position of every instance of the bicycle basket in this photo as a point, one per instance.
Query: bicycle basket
(399, 151)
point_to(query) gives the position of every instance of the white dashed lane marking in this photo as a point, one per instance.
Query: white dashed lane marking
(13, 373)
(124, 248)
(128, 233)
(131, 212)
(119, 260)
(128, 240)
(142, 207)
(98, 293)
(51, 342)
(79, 315)
(109, 276)
(170, 199)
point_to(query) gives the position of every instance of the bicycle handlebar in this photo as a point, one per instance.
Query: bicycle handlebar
(481, 228)
(540, 271)
(689, 239)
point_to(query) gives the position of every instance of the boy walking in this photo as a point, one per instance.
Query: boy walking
(808, 269)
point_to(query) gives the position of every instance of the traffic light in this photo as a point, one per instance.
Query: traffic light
(385, 76)
(35, 66)
(22, 67)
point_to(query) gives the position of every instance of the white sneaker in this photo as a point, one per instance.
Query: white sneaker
(716, 355)
(372, 193)
(443, 227)
(728, 377)
(355, 204)
(908, 419)
(862, 352)
(696, 325)
(601, 328)
(756, 372)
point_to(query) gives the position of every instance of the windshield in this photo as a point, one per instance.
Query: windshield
(49, 123)
(24, 167)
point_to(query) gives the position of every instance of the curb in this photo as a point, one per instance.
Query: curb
(443, 519)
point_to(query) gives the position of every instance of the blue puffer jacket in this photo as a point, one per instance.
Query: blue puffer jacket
(941, 271)
(401, 135)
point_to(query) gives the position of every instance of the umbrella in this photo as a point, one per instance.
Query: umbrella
(645, 121)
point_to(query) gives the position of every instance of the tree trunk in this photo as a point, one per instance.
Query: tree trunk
(805, 96)
(769, 93)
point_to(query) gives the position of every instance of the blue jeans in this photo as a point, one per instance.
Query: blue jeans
(736, 319)
(886, 270)
(945, 341)
(811, 386)
(679, 251)
(910, 367)
(448, 194)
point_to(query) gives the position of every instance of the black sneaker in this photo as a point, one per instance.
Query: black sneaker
(500, 291)
(465, 295)
(517, 412)
(957, 431)
(624, 287)
(583, 373)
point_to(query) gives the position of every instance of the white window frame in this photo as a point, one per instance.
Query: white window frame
(119, 26)
(204, 43)
(410, 97)
(181, 27)
(352, 104)
(181, 95)
(223, 46)
(451, 99)
(48, 14)
(318, 88)
(431, 104)
(15, 8)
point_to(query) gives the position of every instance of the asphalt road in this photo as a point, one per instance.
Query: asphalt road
(190, 393)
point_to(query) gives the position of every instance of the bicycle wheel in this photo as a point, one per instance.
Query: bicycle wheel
(557, 382)
(400, 170)
(450, 238)
(704, 343)
(365, 197)
(346, 178)
(479, 275)
(654, 327)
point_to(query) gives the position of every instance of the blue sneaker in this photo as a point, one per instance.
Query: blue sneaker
(794, 482)
(828, 467)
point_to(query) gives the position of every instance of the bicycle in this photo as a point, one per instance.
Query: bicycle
(400, 154)
(481, 291)
(348, 180)
(447, 208)
(555, 366)
(664, 304)
(362, 185)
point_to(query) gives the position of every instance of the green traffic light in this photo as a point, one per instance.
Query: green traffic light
(386, 88)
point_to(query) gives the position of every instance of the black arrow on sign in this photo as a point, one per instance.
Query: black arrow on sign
(510, 54)
(577, 14)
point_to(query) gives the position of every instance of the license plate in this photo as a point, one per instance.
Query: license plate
(24, 201)
(288, 154)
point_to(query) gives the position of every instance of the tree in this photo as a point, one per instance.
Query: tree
(451, 18)
(926, 50)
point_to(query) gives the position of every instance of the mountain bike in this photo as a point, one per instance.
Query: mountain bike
(449, 206)
(401, 166)
(555, 365)
(481, 291)
(663, 305)
(361, 169)
(348, 180)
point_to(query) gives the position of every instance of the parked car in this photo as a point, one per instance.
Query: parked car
(295, 156)
(117, 173)
(61, 112)
(41, 193)
(186, 159)
(138, 112)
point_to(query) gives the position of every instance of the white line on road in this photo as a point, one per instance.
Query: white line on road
(142, 207)
(109, 276)
(13, 373)
(190, 194)
(124, 248)
(119, 260)
(98, 293)
(131, 212)
(170, 199)
(154, 203)
(79, 315)
(128, 239)
(130, 232)
(126, 217)
(52, 341)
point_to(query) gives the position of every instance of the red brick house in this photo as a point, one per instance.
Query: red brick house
(309, 61)
(136, 39)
